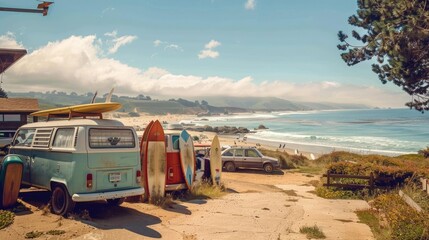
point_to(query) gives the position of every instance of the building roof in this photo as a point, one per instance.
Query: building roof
(9, 57)
(19, 105)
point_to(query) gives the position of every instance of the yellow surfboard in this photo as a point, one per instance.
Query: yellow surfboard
(215, 161)
(90, 108)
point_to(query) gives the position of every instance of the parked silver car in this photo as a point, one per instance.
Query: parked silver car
(6, 137)
(247, 157)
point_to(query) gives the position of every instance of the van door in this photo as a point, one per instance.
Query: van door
(21, 146)
(113, 155)
(42, 161)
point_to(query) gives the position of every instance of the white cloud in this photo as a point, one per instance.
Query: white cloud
(157, 42)
(112, 34)
(109, 9)
(167, 45)
(208, 51)
(250, 4)
(77, 64)
(8, 41)
(212, 44)
(174, 47)
(118, 42)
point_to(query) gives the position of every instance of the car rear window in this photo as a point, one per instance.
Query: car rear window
(111, 138)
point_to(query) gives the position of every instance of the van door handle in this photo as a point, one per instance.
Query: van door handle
(170, 172)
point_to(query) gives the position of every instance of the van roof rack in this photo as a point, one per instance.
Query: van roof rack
(72, 114)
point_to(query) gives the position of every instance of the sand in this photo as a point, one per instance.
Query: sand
(257, 206)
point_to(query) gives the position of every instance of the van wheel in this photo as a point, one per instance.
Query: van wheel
(61, 202)
(268, 167)
(115, 201)
(230, 167)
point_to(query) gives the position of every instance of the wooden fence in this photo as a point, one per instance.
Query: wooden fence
(330, 176)
(425, 184)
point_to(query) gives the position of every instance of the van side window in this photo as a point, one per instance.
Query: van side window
(175, 140)
(111, 138)
(64, 138)
(24, 137)
(42, 137)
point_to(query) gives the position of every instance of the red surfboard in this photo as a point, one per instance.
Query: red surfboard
(143, 159)
(156, 161)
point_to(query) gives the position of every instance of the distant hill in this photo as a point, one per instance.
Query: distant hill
(209, 105)
(276, 104)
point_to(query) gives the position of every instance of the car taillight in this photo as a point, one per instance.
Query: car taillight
(138, 176)
(89, 180)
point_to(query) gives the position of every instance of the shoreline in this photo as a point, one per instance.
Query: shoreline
(307, 149)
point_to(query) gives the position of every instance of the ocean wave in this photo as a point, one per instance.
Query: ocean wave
(357, 142)
(236, 117)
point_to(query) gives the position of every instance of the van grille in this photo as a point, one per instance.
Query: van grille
(42, 137)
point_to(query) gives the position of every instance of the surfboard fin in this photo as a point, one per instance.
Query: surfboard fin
(93, 98)
(109, 97)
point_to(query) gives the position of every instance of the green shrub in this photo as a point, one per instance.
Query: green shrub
(6, 218)
(424, 152)
(312, 232)
(286, 161)
(404, 222)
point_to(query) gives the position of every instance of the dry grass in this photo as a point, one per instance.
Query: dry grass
(163, 202)
(312, 232)
(206, 190)
(6, 218)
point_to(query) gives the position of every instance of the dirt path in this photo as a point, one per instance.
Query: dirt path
(258, 206)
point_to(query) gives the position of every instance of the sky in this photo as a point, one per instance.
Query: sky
(191, 49)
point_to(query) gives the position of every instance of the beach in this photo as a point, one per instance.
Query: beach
(390, 132)
(225, 139)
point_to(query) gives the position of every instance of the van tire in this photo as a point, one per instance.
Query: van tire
(61, 202)
(230, 167)
(115, 201)
(268, 168)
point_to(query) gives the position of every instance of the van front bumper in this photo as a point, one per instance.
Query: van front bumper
(88, 197)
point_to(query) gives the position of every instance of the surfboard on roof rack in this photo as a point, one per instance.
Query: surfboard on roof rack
(82, 110)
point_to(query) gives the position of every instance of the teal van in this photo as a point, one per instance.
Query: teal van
(80, 160)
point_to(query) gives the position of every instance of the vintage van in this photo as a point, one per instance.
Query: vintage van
(80, 160)
(175, 180)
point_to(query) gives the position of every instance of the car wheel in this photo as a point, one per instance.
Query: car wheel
(115, 201)
(61, 202)
(230, 167)
(268, 168)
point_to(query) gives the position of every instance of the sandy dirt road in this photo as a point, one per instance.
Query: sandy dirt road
(257, 206)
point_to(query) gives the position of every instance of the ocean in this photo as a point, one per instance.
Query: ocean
(381, 131)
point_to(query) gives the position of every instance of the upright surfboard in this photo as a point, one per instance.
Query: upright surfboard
(90, 108)
(215, 161)
(156, 161)
(187, 157)
(10, 180)
(143, 159)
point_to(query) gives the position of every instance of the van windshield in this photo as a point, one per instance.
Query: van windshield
(111, 138)
(24, 137)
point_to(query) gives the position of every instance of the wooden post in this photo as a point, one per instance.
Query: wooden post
(427, 186)
(328, 181)
(424, 183)
(371, 182)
